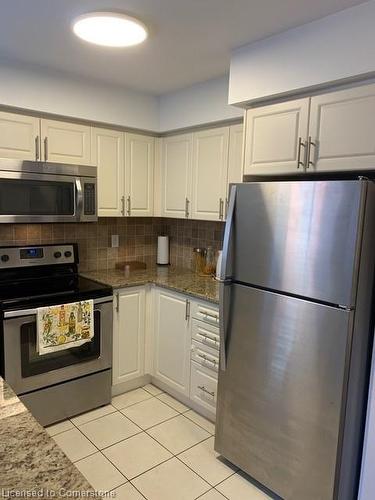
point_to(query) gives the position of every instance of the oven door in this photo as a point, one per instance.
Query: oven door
(26, 371)
(31, 197)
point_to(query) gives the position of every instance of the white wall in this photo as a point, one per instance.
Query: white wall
(199, 104)
(54, 93)
(336, 47)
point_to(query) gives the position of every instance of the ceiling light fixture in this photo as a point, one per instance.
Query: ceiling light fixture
(110, 29)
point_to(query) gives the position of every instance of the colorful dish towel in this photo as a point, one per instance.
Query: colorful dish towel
(64, 326)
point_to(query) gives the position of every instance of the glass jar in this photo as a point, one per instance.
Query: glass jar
(210, 265)
(199, 260)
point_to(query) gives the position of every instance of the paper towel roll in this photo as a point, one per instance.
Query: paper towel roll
(163, 250)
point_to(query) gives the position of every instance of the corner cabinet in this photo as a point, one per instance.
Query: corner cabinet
(172, 340)
(129, 335)
(139, 174)
(108, 156)
(327, 132)
(210, 166)
(176, 176)
(196, 169)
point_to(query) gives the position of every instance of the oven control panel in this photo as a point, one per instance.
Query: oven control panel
(37, 255)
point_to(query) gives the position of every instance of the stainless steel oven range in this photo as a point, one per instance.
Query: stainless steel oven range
(60, 384)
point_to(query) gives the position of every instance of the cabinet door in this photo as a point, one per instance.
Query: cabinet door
(273, 135)
(19, 136)
(129, 335)
(342, 129)
(139, 174)
(108, 156)
(65, 142)
(210, 164)
(176, 176)
(172, 341)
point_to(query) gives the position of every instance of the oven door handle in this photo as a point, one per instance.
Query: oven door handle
(30, 312)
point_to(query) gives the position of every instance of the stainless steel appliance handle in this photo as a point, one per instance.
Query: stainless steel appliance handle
(202, 388)
(301, 144)
(37, 148)
(45, 148)
(79, 199)
(225, 280)
(129, 208)
(30, 312)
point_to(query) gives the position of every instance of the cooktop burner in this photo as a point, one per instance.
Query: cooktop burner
(43, 275)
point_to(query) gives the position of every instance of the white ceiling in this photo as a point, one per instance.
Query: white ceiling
(190, 40)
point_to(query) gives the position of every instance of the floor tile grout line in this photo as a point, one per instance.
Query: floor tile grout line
(184, 415)
(82, 458)
(93, 420)
(129, 482)
(155, 425)
(195, 472)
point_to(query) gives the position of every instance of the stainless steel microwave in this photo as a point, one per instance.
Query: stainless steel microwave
(47, 192)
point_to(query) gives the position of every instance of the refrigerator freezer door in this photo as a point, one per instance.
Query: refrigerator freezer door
(300, 238)
(280, 398)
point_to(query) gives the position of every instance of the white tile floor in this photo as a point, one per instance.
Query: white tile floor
(147, 445)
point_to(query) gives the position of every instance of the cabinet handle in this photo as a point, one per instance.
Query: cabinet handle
(309, 144)
(45, 148)
(301, 144)
(187, 208)
(209, 315)
(202, 388)
(117, 302)
(128, 210)
(37, 148)
(122, 205)
(226, 207)
(207, 360)
(208, 337)
(221, 208)
(187, 310)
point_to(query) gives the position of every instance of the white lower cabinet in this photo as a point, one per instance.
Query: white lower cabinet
(129, 334)
(172, 340)
(177, 334)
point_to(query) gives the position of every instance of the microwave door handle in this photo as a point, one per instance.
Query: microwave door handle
(79, 200)
(226, 280)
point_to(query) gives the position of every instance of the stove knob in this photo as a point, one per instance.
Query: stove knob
(4, 258)
(68, 253)
(57, 255)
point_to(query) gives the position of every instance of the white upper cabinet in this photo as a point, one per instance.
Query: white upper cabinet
(108, 155)
(129, 335)
(342, 126)
(176, 174)
(64, 142)
(235, 162)
(210, 165)
(275, 138)
(19, 136)
(139, 174)
(172, 340)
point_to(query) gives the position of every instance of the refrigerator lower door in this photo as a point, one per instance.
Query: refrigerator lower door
(281, 395)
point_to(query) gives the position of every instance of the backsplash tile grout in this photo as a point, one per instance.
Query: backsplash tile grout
(137, 239)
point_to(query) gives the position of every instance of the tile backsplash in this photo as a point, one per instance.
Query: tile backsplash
(138, 239)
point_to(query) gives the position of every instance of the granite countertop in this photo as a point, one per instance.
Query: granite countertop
(173, 278)
(30, 460)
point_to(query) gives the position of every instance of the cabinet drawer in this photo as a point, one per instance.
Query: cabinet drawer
(205, 313)
(203, 387)
(205, 356)
(205, 333)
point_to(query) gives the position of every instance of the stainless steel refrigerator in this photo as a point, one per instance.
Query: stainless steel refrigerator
(296, 328)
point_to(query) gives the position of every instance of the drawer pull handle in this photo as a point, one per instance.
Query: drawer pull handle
(210, 315)
(208, 337)
(202, 388)
(205, 358)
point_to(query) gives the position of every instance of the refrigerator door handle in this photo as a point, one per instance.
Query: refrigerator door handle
(225, 280)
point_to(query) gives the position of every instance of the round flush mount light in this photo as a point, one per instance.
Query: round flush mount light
(110, 29)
